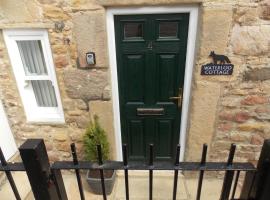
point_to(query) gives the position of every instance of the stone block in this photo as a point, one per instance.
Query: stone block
(246, 15)
(60, 137)
(46, 1)
(82, 122)
(28, 128)
(80, 104)
(254, 99)
(53, 156)
(54, 13)
(202, 117)
(61, 61)
(226, 116)
(231, 102)
(257, 74)
(246, 85)
(239, 92)
(85, 84)
(49, 146)
(241, 117)
(68, 104)
(215, 30)
(263, 109)
(256, 139)
(143, 2)
(75, 113)
(90, 35)
(251, 40)
(265, 12)
(104, 110)
(225, 126)
(76, 136)
(20, 11)
(63, 146)
(236, 117)
(59, 49)
(107, 93)
(240, 137)
(250, 127)
(262, 112)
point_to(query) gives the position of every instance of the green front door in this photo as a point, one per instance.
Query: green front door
(151, 55)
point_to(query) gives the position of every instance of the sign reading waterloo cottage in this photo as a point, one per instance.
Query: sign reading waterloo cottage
(221, 66)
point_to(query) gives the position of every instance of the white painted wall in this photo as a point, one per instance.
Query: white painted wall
(7, 142)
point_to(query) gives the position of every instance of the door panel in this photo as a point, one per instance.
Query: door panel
(136, 139)
(151, 52)
(134, 77)
(163, 138)
(166, 76)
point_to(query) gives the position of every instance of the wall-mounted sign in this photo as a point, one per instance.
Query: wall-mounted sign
(221, 66)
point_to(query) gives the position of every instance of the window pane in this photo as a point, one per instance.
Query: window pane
(168, 29)
(44, 93)
(133, 30)
(32, 57)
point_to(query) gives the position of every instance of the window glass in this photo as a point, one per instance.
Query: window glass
(133, 30)
(168, 29)
(32, 57)
(44, 93)
(34, 64)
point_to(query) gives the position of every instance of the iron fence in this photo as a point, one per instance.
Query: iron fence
(47, 183)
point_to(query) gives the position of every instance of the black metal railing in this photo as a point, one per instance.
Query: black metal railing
(47, 182)
(7, 168)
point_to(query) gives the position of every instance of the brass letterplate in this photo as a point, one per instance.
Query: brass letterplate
(150, 111)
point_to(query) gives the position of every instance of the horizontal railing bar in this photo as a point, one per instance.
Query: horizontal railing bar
(12, 167)
(161, 165)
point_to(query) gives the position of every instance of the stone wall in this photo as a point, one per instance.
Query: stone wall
(83, 92)
(243, 112)
(223, 109)
(232, 109)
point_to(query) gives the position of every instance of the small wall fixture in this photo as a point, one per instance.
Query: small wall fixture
(59, 26)
(90, 58)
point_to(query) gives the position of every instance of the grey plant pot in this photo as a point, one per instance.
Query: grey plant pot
(95, 183)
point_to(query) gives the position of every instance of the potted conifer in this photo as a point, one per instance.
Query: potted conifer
(95, 135)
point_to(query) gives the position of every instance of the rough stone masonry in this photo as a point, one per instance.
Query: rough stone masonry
(223, 109)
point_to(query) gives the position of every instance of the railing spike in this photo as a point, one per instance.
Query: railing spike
(200, 181)
(126, 170)
(77, 171)
(100, 161)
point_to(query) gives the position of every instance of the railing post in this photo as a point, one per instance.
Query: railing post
(35, 159)
(228, 178)
(257, 186)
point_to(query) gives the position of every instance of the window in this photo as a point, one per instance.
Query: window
(168, 29)
(133, 30)
(31, 59)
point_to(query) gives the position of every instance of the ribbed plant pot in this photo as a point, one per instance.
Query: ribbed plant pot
(95, 183)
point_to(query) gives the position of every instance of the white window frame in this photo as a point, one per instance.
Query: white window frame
(34, 113)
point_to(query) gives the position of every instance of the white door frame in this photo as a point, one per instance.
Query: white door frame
(193, 10)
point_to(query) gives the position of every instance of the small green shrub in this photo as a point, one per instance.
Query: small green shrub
(93, 136)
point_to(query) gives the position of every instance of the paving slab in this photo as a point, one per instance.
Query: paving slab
(22, 184)
(138, 187)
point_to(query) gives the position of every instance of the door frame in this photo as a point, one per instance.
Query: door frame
(193, 10)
